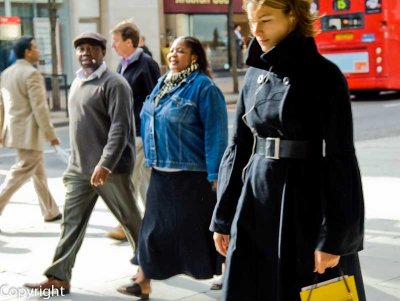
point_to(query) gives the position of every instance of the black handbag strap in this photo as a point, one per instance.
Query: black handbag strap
(342, 278)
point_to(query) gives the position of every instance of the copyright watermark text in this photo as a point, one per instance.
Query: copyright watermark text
(27, 293)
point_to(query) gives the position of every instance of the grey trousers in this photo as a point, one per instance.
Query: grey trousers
(80, 200)
(30, 164)
(141, 176)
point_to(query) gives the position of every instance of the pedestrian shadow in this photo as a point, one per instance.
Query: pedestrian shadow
(7, 250)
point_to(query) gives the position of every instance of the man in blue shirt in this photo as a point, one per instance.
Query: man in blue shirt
(141, 72)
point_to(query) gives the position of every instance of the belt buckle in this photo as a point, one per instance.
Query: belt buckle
(272, 143)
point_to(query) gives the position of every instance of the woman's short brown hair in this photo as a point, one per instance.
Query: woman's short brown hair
(300, 9)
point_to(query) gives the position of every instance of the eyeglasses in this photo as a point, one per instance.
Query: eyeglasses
(90, 48)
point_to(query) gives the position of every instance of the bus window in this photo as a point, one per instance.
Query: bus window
(342, 22)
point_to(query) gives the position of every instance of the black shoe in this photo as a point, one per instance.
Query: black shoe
(133, 290)
(56, 218)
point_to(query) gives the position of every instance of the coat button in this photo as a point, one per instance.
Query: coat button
(260, 79)
(286, 81)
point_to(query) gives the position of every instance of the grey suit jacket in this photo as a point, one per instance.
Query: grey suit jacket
(24, 113)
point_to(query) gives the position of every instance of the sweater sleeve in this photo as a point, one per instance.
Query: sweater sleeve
(233, 162)
(342, 228)
(119, 102)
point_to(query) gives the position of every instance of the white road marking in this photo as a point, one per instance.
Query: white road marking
(392, 105)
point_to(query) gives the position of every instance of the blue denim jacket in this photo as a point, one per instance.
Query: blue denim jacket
(188, 129)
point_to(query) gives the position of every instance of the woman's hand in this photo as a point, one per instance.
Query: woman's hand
(323, 261)
(221, 243)
(214, 185)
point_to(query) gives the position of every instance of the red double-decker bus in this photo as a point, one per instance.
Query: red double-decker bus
(362, 37)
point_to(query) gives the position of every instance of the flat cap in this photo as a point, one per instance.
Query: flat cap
(90, 37)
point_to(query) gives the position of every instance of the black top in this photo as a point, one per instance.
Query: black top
(142, 75)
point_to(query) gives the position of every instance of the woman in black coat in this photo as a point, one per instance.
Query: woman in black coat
(290, 200)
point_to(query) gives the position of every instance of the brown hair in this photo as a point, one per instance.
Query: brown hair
(128, 30)
(300, 9)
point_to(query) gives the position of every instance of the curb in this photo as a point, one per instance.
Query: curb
(60, 124)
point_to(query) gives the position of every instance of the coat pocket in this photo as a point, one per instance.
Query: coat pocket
(269, 105)
(181, 111)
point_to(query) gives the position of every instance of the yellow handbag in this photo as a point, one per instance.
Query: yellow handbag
(342, 288)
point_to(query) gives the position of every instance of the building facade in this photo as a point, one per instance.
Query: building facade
(208, 21)
(160, 21)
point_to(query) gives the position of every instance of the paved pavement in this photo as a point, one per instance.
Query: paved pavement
(27, 243)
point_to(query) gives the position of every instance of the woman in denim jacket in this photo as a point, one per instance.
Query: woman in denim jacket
(184, 128)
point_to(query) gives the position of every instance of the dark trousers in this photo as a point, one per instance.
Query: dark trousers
(80, 200)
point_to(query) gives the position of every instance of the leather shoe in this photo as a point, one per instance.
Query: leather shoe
(53, 219)
(117, 233)
(53, 284)
(217, 283)
(133, 290)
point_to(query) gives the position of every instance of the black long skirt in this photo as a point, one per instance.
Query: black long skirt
(174, 237)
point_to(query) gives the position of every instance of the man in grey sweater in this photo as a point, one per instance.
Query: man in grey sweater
(102, 138)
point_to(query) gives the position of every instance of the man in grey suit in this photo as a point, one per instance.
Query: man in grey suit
(24, 125)
(102, 139)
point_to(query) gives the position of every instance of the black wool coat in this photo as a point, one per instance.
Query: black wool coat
(279, 211)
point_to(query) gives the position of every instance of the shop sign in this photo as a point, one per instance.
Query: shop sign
(10, 28)
(201, 6)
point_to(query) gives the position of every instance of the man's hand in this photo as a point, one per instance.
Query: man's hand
(99, 176)
(221, 242)
(54, 142)
(324, 260)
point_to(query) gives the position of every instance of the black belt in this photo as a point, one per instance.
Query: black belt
(276, 148)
